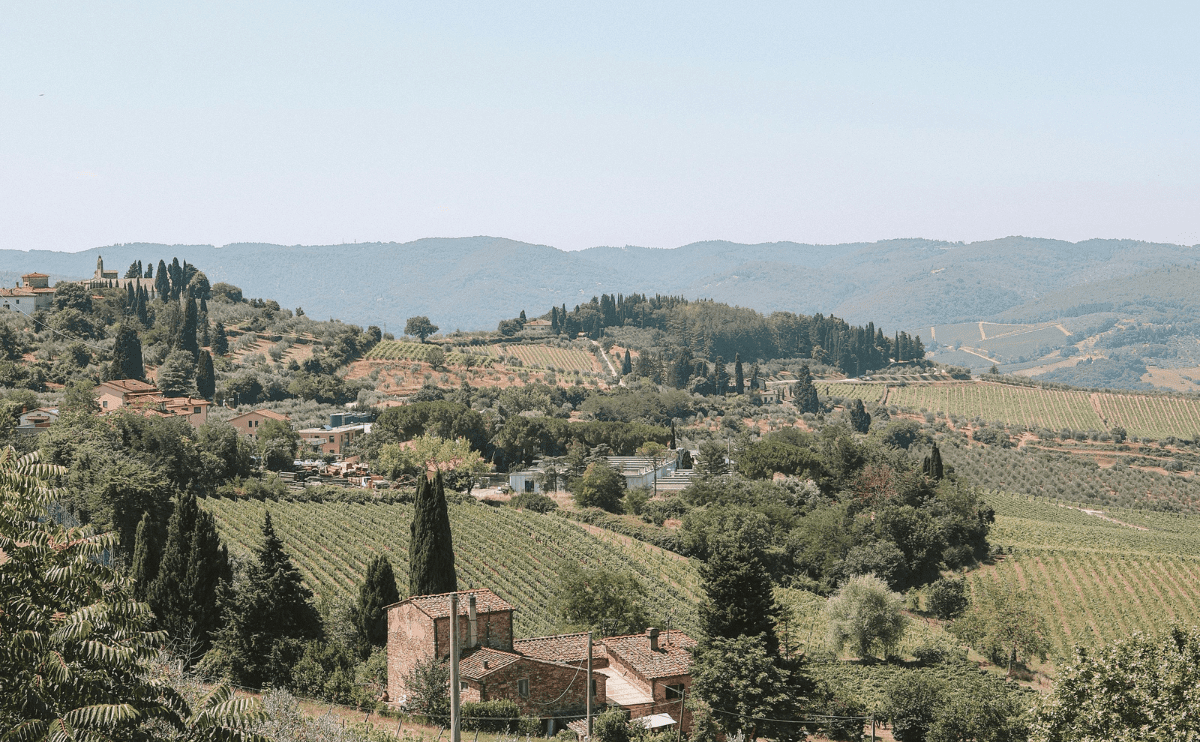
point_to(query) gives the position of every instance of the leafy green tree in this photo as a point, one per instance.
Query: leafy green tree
(601, 486)
(913, 701)
(75, 296)
(738, 597)
(12, 344)
(369, 615)
(224, 454)
(712, 461)
(206, 380)
(278, 445)
(419, 327)
(1003, 624)
(751, 690)
(1139, 688)
(865, 614)
(220, 341)
(602, 600)
(431, 544)
(428, 685)
(175, 375)
(267, 619)
(75, 647)
(127, 355)
(948, 598)
(657, 453)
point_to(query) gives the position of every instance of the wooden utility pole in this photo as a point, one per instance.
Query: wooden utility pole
(455, 722)
(589, 687)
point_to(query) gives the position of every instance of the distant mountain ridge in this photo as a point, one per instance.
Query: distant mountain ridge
(471, 283)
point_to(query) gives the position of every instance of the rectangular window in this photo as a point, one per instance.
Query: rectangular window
(675, 691)
(523, 687)
(462, 685)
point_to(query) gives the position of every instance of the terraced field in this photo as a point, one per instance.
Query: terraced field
(515, 553)
(548, 356)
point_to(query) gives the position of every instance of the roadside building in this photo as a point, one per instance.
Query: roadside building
(248, 423)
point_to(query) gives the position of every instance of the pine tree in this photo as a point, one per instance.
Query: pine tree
(220, 342)
(805, 393)
(738, 598)
(369, 615)
(187, 331)
(739, 380)
(127, 355)
(162, 283)
(206, 380)
(626, 364)
(145, 557)
(431, 547)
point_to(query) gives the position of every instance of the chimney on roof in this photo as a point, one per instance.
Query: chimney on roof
(472, 624)
(652, 635)
(485, 664)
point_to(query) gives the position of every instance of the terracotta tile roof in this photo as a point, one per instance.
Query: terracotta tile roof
(484, 661)
(670, 659)
(559, 648)
(35, 275)
(270, 414)
(438, 606)
(130, 385)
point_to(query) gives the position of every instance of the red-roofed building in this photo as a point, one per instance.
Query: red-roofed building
(31, 295)
(146, 399)
(248, 423)
(645, 674)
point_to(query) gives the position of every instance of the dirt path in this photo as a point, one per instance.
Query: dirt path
(982, 333)
(1102, 516)
(604, 355)
(1094, 398)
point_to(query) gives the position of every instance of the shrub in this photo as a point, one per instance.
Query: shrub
(535, 501)
(499, 716)
(865, 614)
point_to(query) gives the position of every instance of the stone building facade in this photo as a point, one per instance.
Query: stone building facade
(645, 674)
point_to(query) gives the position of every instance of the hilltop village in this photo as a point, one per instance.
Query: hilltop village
(637, 518)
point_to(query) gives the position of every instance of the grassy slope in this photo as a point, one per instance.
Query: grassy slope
(515, 553)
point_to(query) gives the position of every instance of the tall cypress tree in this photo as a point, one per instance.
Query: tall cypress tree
(932, 465)
(720, 376)
(142, 314)
(377, 591)
(187, 330)
(739, 379)
(127, 355)
(220, 341)
(626, 364)
(206, 380)
(162, 282)
(184, 592)
(806, 394)
(738, 598)
(145, 557)
(431, 547)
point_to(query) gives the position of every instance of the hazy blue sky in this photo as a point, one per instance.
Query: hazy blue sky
(642, 123)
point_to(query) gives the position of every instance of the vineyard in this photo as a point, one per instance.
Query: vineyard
(1148, 416)
(1098, 580)
(548, 356)
(398, 350)
(515, 553)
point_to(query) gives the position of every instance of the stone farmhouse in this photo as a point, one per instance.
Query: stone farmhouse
(248, 423)
(147, 400)
(647, 675)
(33, 294)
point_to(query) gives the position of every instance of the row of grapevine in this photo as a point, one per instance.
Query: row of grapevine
(547, 356)
(515, 553)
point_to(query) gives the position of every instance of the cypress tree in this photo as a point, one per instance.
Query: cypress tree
(187, 331)
(377, 591)
(431, 547)
(739, 380)
(753, 376)
(860, 419)
(806, 394)
(203, 336)
(167, 593)
(720, 377)
(738, 598)
(206, 380)
(130, 299)
(208, 566)
(142, 314)
(932, 465)
(626, 365)
(127, 355)
(220, 342)
(162, 283)
(145, 557)
(149, 270)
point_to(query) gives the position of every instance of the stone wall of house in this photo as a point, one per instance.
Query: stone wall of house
(410, 642)
(548, 687)
(494, 630)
